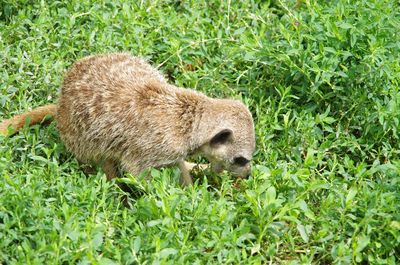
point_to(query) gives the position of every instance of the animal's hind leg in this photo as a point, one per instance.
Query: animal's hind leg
(86, 166)
(110, 168)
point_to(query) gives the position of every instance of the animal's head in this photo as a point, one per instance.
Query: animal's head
(231, 142)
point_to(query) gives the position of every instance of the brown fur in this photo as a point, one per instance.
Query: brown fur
(118, 110)
(13, 125)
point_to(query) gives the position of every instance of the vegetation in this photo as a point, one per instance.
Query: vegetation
(322, 81)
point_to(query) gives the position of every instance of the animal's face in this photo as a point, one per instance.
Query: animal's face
(230, 138)
(231, 150)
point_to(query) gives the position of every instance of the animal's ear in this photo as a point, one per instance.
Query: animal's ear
(222, 137)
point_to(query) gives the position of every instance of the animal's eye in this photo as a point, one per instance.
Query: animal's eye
(240, 161)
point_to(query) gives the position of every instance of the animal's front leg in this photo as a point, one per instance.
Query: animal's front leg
(190, 166)
(185, 168)
(186, 179)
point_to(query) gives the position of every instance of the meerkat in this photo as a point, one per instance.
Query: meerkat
(117, 110)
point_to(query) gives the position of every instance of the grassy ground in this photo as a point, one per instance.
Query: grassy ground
(322, 81)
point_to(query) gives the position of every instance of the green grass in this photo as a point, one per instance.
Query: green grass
(322, 81)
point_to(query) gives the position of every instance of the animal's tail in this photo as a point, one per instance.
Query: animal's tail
(35, 116)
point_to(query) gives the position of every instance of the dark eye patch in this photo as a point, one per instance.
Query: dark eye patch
(240, 161)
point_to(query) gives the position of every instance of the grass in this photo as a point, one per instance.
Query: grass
(322, 81)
